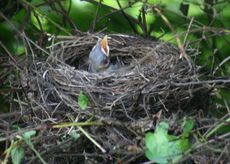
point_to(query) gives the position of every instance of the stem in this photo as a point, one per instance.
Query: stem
(67, 124)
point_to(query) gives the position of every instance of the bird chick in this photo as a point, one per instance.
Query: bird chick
(99, 59)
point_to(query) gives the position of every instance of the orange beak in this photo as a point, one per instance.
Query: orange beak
(104, 45)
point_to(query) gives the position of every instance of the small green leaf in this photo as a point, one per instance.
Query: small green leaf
(15, 126)
(39, 20)
(163, 148)
(27, 136)
(82, 101)
(17, 153)
(74, 134)
(158, 144)
(187, 126)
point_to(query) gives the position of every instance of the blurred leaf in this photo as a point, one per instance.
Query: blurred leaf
(17, 154)
(162, 148)
(15, 126)
(19, 48)
(173, 6)
(195, 10)
(39, 21)
(19, 16)
(112, 3)
(83, 101)
(228, 69)
(225, 95)
(157, 144)
(27, 138)
(74, 134)
(28, 135)
(187, 126)
(83, 14)
(7, 36)
(225, 14)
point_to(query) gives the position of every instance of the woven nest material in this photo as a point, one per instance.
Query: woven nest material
(152, 78)
(149, 79)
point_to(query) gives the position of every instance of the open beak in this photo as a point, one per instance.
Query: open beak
(104, 45)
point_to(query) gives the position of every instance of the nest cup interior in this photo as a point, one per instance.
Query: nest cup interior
(129, 50)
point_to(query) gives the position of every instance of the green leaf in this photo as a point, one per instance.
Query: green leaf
(157, 144)
(74, 134)
(17, 153)
(27, 136)
(164, 148)
(15, 126)
(187, 127)
(39, 20)
(82, 101)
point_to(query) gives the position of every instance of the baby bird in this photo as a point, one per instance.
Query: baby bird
(99, 59)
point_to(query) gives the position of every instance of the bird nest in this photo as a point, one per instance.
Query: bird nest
(152, 78)
(149, 78)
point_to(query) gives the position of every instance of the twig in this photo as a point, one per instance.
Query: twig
(10, 55)
(127, 17)
(188, 31)
(217, 127)
(219, 81)
(69, 124)
(221, 63)
(144, 22)
(49, 19)
(180, 46)
(91, 139)
(92, 28)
